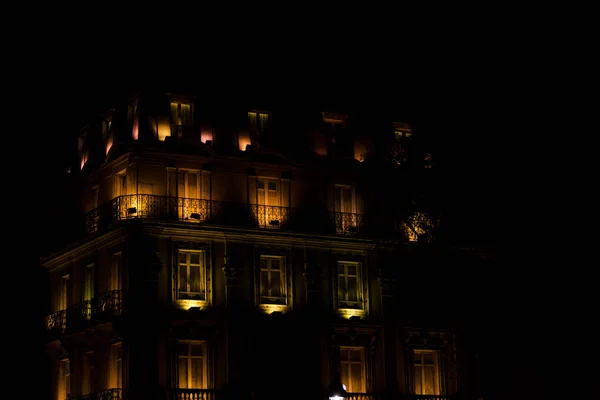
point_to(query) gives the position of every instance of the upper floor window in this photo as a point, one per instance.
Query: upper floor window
(344, 205)
(121, 183)
(115, 271)
(353, 369)
(182, 114)
(116, 365)
(350, 285)
(273, 288)
(192, 365)
(88, 372)
(257, 121)
(191, 275)
(64, 387)
(64, 300)
(426, 372)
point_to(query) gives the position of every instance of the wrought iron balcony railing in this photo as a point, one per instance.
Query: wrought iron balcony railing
(193, 394)
(56, 321)
(88, 312)
(110, 394)
(146, 206)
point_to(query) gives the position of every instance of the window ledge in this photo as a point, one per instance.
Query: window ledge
(187, 304)
(271, 308)
(347, 313)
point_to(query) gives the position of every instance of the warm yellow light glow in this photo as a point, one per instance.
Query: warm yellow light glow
(349, 313)
(164, 128)
(109, 143)
(206, 135)
(135, 130)
(418, 225)
(243, 140)
(272, 308)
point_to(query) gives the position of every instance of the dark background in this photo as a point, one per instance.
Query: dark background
(455, 91)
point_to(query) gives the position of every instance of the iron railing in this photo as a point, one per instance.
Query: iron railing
(87, 312)
(56, 321)
(193, 394)
(110, 394)
(148, 206)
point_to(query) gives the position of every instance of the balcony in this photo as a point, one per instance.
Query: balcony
(199, 211)
(87, 313)
(194, 394)
(110, 394)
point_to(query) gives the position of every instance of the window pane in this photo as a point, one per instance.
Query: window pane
(428, 358)
(264, 283)
(351, 269)
(174, 113)
(342, 287)
(343, 355)
(197, 371)
(183, 373)
(195, 258)
(195, 279)
(183, 281)
(275, 262)
(273, 186)
(352, 289)
(186, 114)
(355, 355)
(182, 258)
(429, 381)
(357, 383)
(275, 284)
(183, 349)
(418, 381)
(197, 350)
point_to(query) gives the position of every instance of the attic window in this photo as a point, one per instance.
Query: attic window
(258, 120)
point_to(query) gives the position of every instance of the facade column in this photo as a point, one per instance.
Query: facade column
(390, 312)
(315, 333)
(142, 335)
(233, 328)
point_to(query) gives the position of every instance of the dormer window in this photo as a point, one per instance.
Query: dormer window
(257, 121)
(182, 114)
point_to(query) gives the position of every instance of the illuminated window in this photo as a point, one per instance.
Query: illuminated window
(269, 212)
(352, 369)
(63, 300)
(192, 365)
(258, 121)
(121, 183)
(116, 365)
(273, 288)
(344, 206)
(64, 387)
(349, 282)
(107, 134)
(268, 192)
(426, 372)
(182, 114)
(191, 275)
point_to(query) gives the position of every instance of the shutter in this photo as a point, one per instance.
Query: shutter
(253, 190)
(284, 192)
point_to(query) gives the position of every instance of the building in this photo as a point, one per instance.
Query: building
(230, 251)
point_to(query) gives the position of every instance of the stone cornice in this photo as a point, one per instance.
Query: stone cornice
(81, 249)
(272, 237)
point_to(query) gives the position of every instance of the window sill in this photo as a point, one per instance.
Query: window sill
(271, 308)
(187, 304)
(347, 313)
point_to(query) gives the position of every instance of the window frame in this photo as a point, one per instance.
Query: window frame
(189, 357)
(341, 307)
(287, 285)
(437, 362)
(205, 274)
(363, 363)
